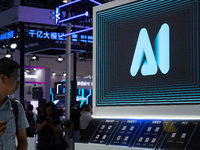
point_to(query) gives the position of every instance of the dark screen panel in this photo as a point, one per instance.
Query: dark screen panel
(37, 93)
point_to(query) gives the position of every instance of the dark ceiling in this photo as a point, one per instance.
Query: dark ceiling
(49, 4)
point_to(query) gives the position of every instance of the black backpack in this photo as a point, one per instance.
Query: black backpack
(15, 111)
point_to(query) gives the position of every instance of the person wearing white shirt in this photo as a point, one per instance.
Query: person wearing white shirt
(85, 118)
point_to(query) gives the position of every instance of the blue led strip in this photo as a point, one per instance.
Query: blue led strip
(69, 3)
(52, 95)
(74, 17)
(57, 15)
(76, 32)
(75, 1)
(126, 12)
(83, 93)
(177, 92)
(137, 12)
(90, 92)
(98, 3)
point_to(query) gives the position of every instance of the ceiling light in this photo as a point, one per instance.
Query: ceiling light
(82, 57)
(64, 74)
(64, 1)
(60, 59)
(5, 45)
(13, 46)
(8, 55)
(34, 57)
(53, 73)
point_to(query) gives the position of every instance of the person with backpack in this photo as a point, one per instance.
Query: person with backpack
(11, 111)
(31, 117)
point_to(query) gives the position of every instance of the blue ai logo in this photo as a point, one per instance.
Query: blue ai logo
(143, 48)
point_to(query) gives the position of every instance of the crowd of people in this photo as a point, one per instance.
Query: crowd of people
(20, 123)
(51, 122)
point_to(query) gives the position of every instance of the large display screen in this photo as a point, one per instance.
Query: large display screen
(146, 53)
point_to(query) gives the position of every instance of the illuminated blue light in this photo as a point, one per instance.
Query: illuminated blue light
(90, 37)
(162, 48)
(75, 36)
(7, 35)
(74, 17)
(31, 32)
(57, 15)
(86, 13)
(95, 2)
(84, 41)
(63, 90)
(161, 92)
(54, 15)
(88, 96)
(143, 47)
(81, 96)
(45, 35)
(52, 95)
(56, 36)
(69, 3)
(83, 37)
(82, 92)
(76, 32)
(115, 15)
(79, 91)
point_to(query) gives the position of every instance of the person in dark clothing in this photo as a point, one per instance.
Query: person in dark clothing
(31, 117)
(75, 123)
(47, 125)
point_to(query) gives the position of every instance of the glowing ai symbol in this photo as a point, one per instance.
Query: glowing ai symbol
(153, 61)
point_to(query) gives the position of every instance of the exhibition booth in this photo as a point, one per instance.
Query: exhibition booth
(145, 76)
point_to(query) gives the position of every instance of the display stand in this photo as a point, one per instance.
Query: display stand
(146, 80)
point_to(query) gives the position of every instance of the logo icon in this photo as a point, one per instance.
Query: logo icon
(160, 57)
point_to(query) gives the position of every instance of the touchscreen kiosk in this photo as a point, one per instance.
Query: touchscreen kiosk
(146, 81)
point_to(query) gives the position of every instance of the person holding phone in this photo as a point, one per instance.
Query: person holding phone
(9, 82)
(47, 126)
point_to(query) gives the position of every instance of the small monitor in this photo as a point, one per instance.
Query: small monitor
(37, 93)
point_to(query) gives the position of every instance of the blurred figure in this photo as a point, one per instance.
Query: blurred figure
(39, 111)
(85, 118)
(31, 117)
(82, 108)
(75, 123)
(47, 126)
(60, 114)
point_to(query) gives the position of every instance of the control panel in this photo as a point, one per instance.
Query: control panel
(143, 134)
